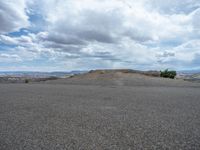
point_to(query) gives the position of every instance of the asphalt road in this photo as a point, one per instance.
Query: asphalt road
(58, 117)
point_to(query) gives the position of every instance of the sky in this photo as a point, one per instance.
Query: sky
(65, 35)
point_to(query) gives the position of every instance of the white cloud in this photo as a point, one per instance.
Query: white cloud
(9, 57)
(172, 6)
(115, 33)
(7, 40)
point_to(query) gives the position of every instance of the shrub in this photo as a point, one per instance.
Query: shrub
(26, 81)
(168, 74)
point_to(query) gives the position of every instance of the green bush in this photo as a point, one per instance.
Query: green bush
(168, 74)
(26, 81)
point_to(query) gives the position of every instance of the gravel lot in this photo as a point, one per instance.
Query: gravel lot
(66, 116)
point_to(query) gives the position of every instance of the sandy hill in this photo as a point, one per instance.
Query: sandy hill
(120, 77)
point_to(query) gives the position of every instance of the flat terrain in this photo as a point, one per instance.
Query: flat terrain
(119, 113)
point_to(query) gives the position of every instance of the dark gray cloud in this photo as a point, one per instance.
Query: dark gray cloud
(60, 38)
(102, 56)
(93, 35)
(165, 54)
(165, 57)
(62, 47)
(12, 16)
(90, 26)
(138, 35)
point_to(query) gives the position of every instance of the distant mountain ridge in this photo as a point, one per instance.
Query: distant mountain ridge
(21, 76)
(38, 74)
(189, 72)
(190, 75)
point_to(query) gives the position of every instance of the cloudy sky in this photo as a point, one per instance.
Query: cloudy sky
(62, 35)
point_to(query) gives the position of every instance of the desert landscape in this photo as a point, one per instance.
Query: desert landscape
(103, 109)
(99, 75)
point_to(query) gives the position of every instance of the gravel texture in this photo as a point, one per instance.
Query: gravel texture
(57, 116)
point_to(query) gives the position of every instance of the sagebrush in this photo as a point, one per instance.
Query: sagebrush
(168, 74)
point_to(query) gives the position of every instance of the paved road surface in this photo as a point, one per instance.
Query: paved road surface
(58, 117)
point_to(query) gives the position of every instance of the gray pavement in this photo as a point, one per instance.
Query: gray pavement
(88, 117)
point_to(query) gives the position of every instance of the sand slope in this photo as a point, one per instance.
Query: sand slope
(122, 78)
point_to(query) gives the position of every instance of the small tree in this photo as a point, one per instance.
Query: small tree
(168, 74)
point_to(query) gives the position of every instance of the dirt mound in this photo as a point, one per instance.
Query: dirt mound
(109, 74)
(121, 78)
